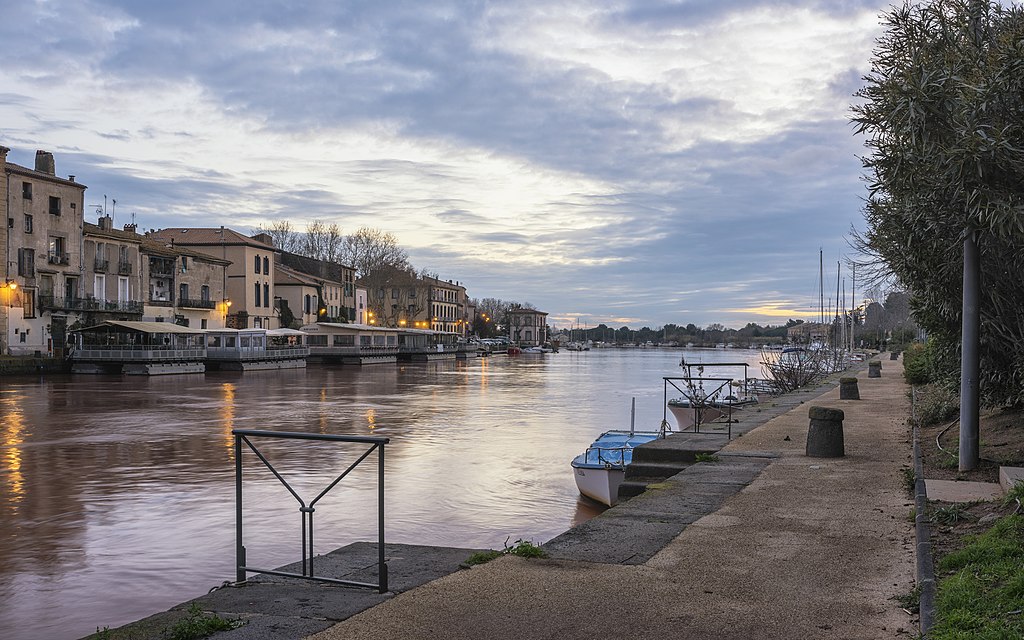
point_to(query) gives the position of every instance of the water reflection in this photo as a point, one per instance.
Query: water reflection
(109, 482)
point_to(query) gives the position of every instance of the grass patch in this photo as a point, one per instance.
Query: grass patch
(911, 601)
(908, 480)
(982, 595)
(951, 514)
(706, 457)
(199, 625)
(521, 548)
(1015, 495)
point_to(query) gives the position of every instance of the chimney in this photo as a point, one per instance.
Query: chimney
(44, 162)
(3, 153)
(131, 228)
(106, 223)
(71, 178)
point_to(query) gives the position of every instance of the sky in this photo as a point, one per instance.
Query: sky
(628, 162)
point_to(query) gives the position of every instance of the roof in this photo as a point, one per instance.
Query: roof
(352, 325)
(90, 229)
(285, 332)
(42, 175)
(144, 327)
(156, 248)
(284, 276)
(530, 311)
(206, 236)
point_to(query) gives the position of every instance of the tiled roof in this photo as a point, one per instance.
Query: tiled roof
(155, 248)
(32, 173)
(206, 237)
(90, 229)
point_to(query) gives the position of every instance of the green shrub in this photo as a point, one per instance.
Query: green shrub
(918, 365)
(935, 403)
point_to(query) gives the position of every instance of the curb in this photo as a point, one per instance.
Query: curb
(925, 568)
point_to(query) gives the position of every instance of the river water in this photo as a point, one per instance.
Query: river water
(117, 494)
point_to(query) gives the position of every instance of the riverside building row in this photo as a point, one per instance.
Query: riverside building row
(62, 273)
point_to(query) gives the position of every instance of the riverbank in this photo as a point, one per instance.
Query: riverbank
(652, 543)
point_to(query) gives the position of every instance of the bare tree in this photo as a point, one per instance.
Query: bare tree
(322, 241)
(369, 250)
(282, 235)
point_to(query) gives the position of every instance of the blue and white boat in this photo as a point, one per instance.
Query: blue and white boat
(602, 467)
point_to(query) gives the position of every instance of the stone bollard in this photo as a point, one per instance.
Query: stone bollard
(894, 355)
(848, 389)
(875, 369)
(825, 435)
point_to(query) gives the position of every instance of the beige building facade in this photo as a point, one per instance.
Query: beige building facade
(250, 275)
(42, 288)
(527, 327)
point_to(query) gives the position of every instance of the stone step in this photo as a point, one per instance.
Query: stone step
(630, 488)
(1009, 476)
(653, 471)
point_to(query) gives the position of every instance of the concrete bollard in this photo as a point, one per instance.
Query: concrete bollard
(848, 389)
(875, 369)
(894, 355)
(825, 435)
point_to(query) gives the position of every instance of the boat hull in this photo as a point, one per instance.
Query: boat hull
(601, 485)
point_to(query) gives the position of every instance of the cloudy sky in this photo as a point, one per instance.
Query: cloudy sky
(628, 162)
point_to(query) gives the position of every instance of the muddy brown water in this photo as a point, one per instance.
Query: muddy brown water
(117, 493)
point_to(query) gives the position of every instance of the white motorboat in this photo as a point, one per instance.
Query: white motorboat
(602, 467)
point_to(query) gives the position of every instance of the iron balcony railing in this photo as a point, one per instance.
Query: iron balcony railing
(124, 267)
(192, 303)
(306, 511)
(58, 258)
(101, 266)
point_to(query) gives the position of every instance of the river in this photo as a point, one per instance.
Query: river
(117, 493)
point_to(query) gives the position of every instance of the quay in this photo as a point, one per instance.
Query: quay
(765, 543)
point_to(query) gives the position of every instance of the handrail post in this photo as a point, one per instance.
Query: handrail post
(382, 565)
(239, 547)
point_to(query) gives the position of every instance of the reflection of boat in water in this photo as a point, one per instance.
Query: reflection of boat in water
(538, 349)
(602, 467)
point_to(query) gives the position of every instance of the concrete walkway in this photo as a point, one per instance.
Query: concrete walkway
(811, 548)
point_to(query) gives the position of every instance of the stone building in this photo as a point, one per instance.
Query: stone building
(42, 289)
(527, 327)
(184, 286)
(249, 287)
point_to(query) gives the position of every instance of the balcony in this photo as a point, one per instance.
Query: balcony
(58, 258)
(190, 303)
(57, 303)
(124, 268)
(100, 266)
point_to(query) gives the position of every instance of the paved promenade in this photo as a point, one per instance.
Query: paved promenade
(811, 548)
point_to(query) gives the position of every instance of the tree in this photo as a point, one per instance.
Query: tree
(322, 241)
(943, 109)
(369, 250)
(282, 235)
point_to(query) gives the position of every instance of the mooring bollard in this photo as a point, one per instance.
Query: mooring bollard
(894, 355)
(848, 389)
(825, 434)
(875, 369)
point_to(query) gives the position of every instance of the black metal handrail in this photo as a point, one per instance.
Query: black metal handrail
(306, 511)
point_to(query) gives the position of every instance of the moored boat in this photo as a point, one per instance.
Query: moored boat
(602, 467)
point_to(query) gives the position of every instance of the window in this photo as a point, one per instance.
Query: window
(257, 289)
(394, 294)
(27, 262)
(316, 341)
(380, 294)
(99, 287)
(26, 190)
(55, 205)
(266, 265)
(204, 294)
(202, 324)
(182, 292)
(266, 294)
(412, 293)
(28, 223)
(55, 251)
(256, 264)
(307, 304)
(184, 264)
(28, 302)
(123, 290)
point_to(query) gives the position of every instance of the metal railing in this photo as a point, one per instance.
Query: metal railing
(124, 267)
(306, 510)
(100, 265)
(194, 303)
